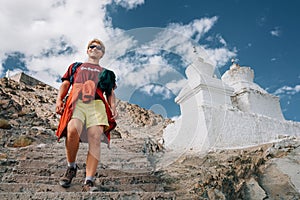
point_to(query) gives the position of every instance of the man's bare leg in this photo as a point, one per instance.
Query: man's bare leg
(72, 141)
(93, 156)
(72, 144)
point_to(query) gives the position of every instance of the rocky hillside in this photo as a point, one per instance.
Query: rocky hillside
(28, 115)
(31, 160)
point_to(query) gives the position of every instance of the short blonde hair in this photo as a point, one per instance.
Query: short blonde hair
(98, 42)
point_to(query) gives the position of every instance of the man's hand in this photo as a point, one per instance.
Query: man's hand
(114, 113)
(112, 102)
(59, 107)
(63, 90)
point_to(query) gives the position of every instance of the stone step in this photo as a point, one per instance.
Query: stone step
(60, 150)
(83, 153)
(33, 173)
(106, 155)
(57, 172)
(115, 145)
(100, 180)
(54, 165)
(77, 186)
(108, 158)
(128, 195)
(59, 147)
(57, 152)
(62, 161)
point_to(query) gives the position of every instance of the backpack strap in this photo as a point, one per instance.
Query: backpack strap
(73, 70)
(107, 81)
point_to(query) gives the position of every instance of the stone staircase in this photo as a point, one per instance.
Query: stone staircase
(33, 172)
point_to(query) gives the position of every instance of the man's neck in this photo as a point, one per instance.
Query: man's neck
(93, 61)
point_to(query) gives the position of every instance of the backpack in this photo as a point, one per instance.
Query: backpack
(74, 68)
(107, 81)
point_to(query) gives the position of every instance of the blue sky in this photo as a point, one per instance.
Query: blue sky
(150, 43)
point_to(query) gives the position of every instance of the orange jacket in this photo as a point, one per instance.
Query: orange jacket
(87, 91)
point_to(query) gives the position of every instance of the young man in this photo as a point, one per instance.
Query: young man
(86, 113)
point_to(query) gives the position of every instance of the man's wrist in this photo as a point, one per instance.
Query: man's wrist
(59, 99)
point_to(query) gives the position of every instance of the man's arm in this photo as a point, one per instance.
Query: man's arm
(63, 91)
(112, 102)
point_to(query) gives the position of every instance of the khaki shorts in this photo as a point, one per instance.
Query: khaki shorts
(91, 114)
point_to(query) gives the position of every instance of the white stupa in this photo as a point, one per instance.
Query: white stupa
(230, 112)
(248, 96)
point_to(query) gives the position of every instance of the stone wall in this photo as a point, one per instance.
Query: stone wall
(24, 78)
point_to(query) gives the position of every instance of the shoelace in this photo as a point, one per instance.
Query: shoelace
(71, 171)
(89, 183)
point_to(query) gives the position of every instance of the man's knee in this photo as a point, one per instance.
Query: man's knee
(74, 131)
(94, 138)
(95, 132)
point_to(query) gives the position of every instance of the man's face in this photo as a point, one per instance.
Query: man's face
(95, 51)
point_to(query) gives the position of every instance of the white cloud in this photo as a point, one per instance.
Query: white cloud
(183, 38)
(297, 88)
(176, 86)
(30, 27)
(222, 40)
(218, 40)
(220, 56)
(35, 28)
(154, 69)
(287, 90)
(275, 32)
(129, 4)
(195, 29)
(41, 31)
(273, 59)
(157, 90)
(1, 67)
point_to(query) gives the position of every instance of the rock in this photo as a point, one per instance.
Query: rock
(215, 194)
(115, 134)
(277, 184)
(4, 124)
(3, 156)
(254, 190)
(23, 141)
(152, 146)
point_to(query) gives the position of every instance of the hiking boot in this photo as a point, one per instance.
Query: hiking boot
(66, 180)
(89, 186)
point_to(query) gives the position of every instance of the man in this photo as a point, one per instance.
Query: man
(86, 113)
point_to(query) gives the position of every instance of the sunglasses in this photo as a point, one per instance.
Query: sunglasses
(98, 47)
